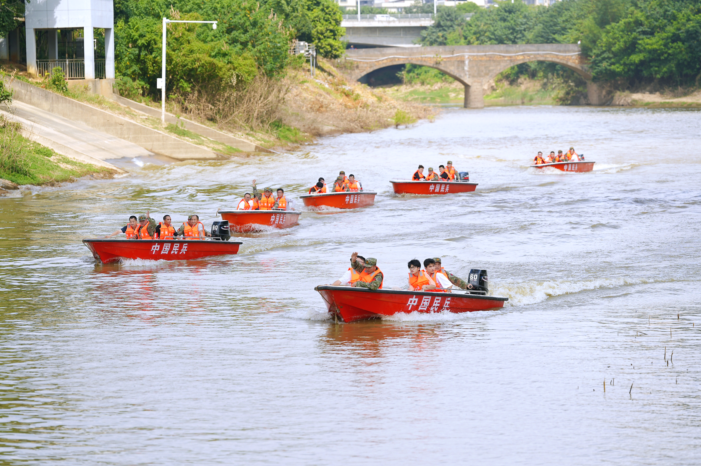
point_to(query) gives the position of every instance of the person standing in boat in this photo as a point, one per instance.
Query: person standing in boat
(452, 278)
(193, 229)
(419, 175)
(129, 230)
(281, 203)
(431, 175)
(371, 277)
(353, 274)
(451, 171)
(165, 230)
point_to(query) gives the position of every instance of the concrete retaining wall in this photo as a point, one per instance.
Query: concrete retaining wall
(148, 138)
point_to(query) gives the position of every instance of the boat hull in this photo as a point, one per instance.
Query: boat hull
(257, 220)
(419, 187)
(353, 304)
(574, 166)
(108, 251)
(342, 200)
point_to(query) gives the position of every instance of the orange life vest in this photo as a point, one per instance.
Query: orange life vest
(353, 187)
(451, 173)
(282, 203)
(432, 176)
(130, 232)
(436, 283)
(247, 205)
(354, 276)
(266, 203)
(166, 232)
(367, 278)
(346, 179)
(341, 188)
(539, 160)
(193, 232)
(416, 282)
(418, 176)
(144, 233)
(315, 189)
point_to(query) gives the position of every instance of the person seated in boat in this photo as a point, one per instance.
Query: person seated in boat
(539, 159)
(551, 158)
(451, 171)
(281, 203)
(443, 175)
(371, 277)
(146, 228)
(354, 185)
(419, 280)
(560, 157)
(353, 274)
(419, 175)
(256, 200)
(571, 155)
(246, 203)
(129, 230)
(431, 175)
(340, 185)
(193, 229)
(165, 229)
(342, 174)
(452, 278)
(317, 188)
(441, 282)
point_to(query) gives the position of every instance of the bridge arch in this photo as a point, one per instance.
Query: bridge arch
(580, 70)
(456, 77)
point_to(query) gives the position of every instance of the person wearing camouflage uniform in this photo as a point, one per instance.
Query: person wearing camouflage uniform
(453, 279)
(196, 219)
(370, 267)
(150, 223)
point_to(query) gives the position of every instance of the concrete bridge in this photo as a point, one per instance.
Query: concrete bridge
(472, 66)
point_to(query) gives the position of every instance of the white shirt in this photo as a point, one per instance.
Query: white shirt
(242, 205)
(443, 281)
(346, 279)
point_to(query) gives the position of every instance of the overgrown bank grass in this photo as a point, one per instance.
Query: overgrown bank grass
(25, 162)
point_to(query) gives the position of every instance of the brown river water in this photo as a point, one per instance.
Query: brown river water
(594, 360)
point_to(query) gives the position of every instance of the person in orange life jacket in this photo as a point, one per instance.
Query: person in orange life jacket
(193, 229)
(454, 279)
(571, 155)
(352, 275)
(441, 282)
(246, 203)
(419, 280)
(256, 200)
(539, 159)
(451, 171)
(324, 182)
(281, 203)
(146, 228)
(354, 185)
(419, 175)
(342, 174)
(443, 174)
(317, 188)
(165, 230)
(265, 201)
(371, 277)
(551, 158)
(560, 157)
(340, 185)
(431, 175)
(129, 230)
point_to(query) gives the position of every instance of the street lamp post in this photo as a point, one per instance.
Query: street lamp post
(163, 63)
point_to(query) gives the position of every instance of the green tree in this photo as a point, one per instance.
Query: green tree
(10, 11)
(448, 20)
(468, 7)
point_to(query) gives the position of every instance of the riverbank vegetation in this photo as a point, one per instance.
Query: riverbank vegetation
(25, 162)
(636, 46)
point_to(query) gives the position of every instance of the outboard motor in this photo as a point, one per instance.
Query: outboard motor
(463, 177)
(220, 230)
(479, 280)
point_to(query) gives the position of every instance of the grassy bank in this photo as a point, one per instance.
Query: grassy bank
(25, 162)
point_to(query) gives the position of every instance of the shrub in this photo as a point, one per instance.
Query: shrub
(402, 118)
(56, 80)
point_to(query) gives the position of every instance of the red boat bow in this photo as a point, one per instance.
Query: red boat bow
(109, 250)
(353, 304)
(253, 220)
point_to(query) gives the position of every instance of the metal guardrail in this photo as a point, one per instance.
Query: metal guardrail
(73, 69)
(413, 16)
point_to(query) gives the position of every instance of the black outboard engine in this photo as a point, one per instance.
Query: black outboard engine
(463, 177)
(220, 230)
(479, 280)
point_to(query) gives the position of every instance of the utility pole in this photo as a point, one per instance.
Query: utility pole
(359, 10)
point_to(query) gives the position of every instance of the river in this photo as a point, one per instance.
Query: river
(594, 360)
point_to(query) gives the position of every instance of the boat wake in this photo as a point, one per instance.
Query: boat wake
(613, 168)
(439, 316)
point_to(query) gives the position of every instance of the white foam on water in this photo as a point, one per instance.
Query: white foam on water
(612, 168)
(442, 316)
(143, 262)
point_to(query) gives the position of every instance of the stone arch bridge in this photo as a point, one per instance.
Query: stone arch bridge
(473, 66)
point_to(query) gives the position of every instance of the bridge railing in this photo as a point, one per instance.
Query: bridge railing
(394, 16)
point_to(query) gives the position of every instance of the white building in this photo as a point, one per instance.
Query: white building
(77, 20)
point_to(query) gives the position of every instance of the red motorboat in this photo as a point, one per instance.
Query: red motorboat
(256, 220)
(343, 200)
(109, 250)
(572, 166)
(353, 304)
(421, 187)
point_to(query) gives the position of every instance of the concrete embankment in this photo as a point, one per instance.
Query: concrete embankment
(148, 138)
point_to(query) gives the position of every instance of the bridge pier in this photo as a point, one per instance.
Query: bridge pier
(473, 96)
(595, 94)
